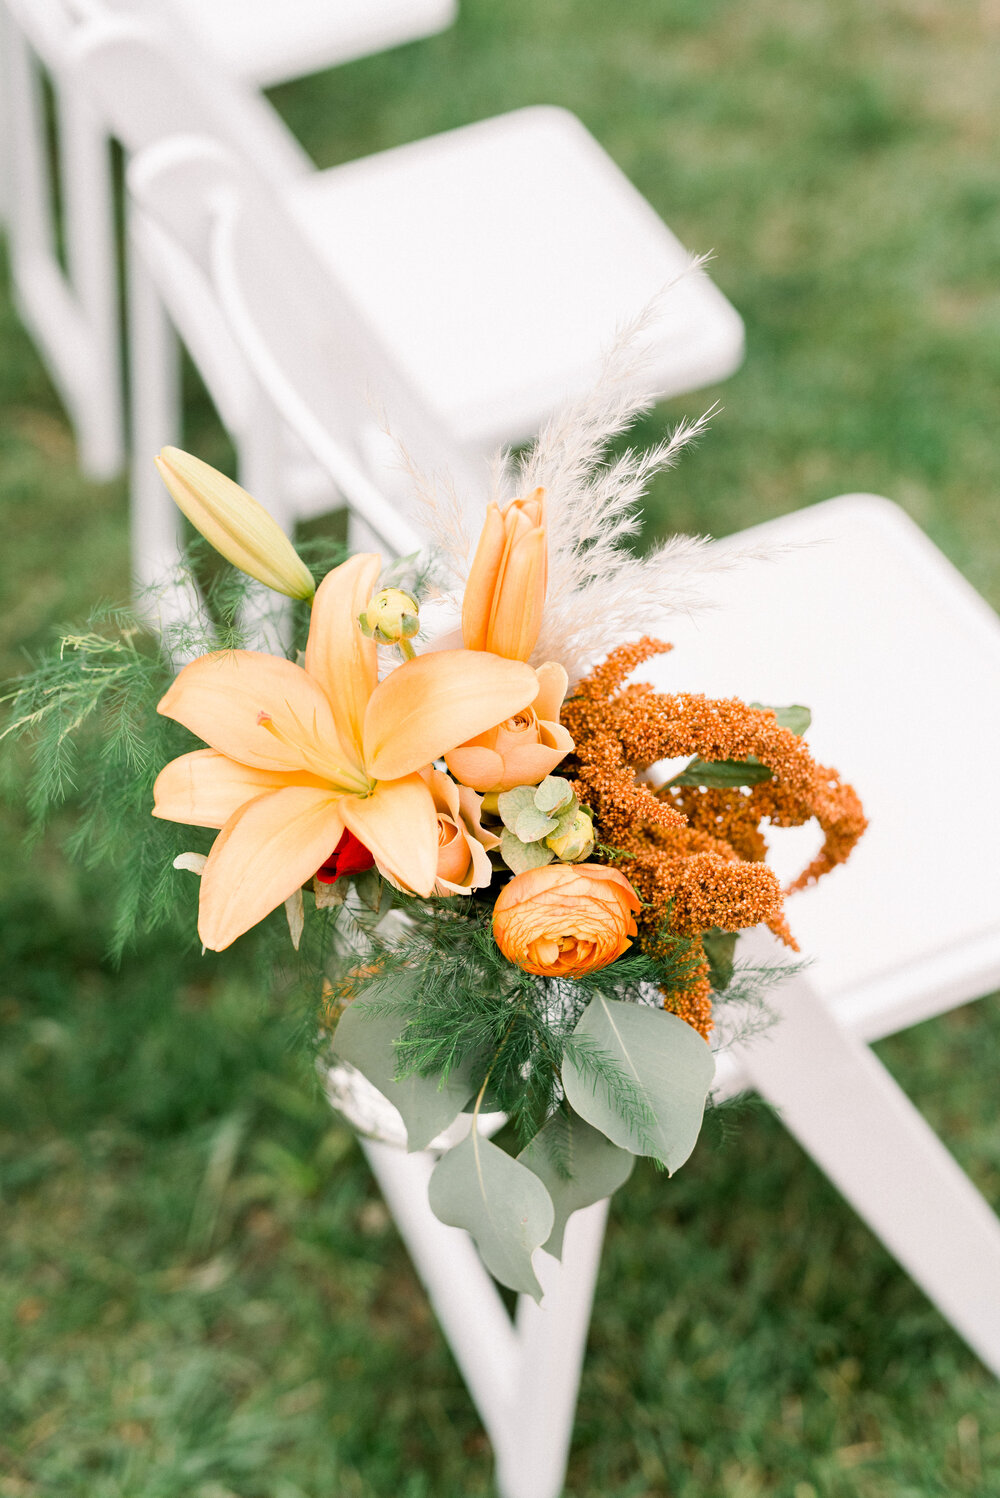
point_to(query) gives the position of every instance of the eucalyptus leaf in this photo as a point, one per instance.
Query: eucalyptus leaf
(373, 891)
(565, 819)
(723, 774)
(501, 1203)
(577, 1165)
(720, 949)
(523, 856)
(554, 795)
(668, 1062)
(510, 804)
(367, 1039)
(532, 825)
(795, 716)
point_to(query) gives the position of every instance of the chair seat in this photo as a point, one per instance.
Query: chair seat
(861, 618)
(264, 42)
(498, 261)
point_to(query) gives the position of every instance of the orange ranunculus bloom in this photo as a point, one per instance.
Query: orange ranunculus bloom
(463, 842)
(563, 920)
(523, 749)
(505, 591)
(297, 756)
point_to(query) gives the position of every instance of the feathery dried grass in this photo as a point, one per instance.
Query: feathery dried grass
(593, 508)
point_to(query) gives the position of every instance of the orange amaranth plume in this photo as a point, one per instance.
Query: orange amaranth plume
(696, 855)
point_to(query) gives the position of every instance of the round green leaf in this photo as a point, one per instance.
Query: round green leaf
(577, 1165)
(502, 1204)
(656, 1056)
(366, 1036)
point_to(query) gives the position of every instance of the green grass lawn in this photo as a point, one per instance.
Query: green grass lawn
(201, 1294)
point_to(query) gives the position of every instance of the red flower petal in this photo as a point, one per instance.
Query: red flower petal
(350, 856)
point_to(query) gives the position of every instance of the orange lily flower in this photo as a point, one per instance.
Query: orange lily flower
(299, 755)
(505, 591)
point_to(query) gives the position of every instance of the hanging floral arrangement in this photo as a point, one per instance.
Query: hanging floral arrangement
(450, 790)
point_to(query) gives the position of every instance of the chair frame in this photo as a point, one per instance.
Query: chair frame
(842, 1106)
(815, 1066)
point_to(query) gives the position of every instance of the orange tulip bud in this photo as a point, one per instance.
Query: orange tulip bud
(563, 920)
(505, 591)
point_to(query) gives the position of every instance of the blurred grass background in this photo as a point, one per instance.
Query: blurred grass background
(201, 1294)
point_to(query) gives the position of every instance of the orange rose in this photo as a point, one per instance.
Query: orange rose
(463, 841)
(522, 750)
(563, 920)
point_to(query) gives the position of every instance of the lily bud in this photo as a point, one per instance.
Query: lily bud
(237, 526)
(573, 842)
(391, 616)
(505, 591)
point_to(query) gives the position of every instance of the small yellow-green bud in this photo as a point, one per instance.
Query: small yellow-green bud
(573, 840)
(392, 616)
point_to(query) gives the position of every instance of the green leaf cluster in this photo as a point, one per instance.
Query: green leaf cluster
(87, 716)
(539, 822)
(590, 1071)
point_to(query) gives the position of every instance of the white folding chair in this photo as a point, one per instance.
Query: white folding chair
(860, 616)
(419, 307)
(72, 309)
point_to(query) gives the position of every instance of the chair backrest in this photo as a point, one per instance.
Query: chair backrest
(47, 25)
(200, 160)
(312, 355)
(151, 79)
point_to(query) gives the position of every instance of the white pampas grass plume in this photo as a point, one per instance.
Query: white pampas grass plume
(433, 494)
(599, 592)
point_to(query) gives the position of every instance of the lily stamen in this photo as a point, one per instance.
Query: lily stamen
(320, 764)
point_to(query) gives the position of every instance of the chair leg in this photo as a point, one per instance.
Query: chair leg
(524, 1381)
(73, 318)
(552, 1340)
(266, 616)
(360, 536)
(164, 595)
(154, 381)
(464, 1297)
(863, 1131)
(93, 267)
